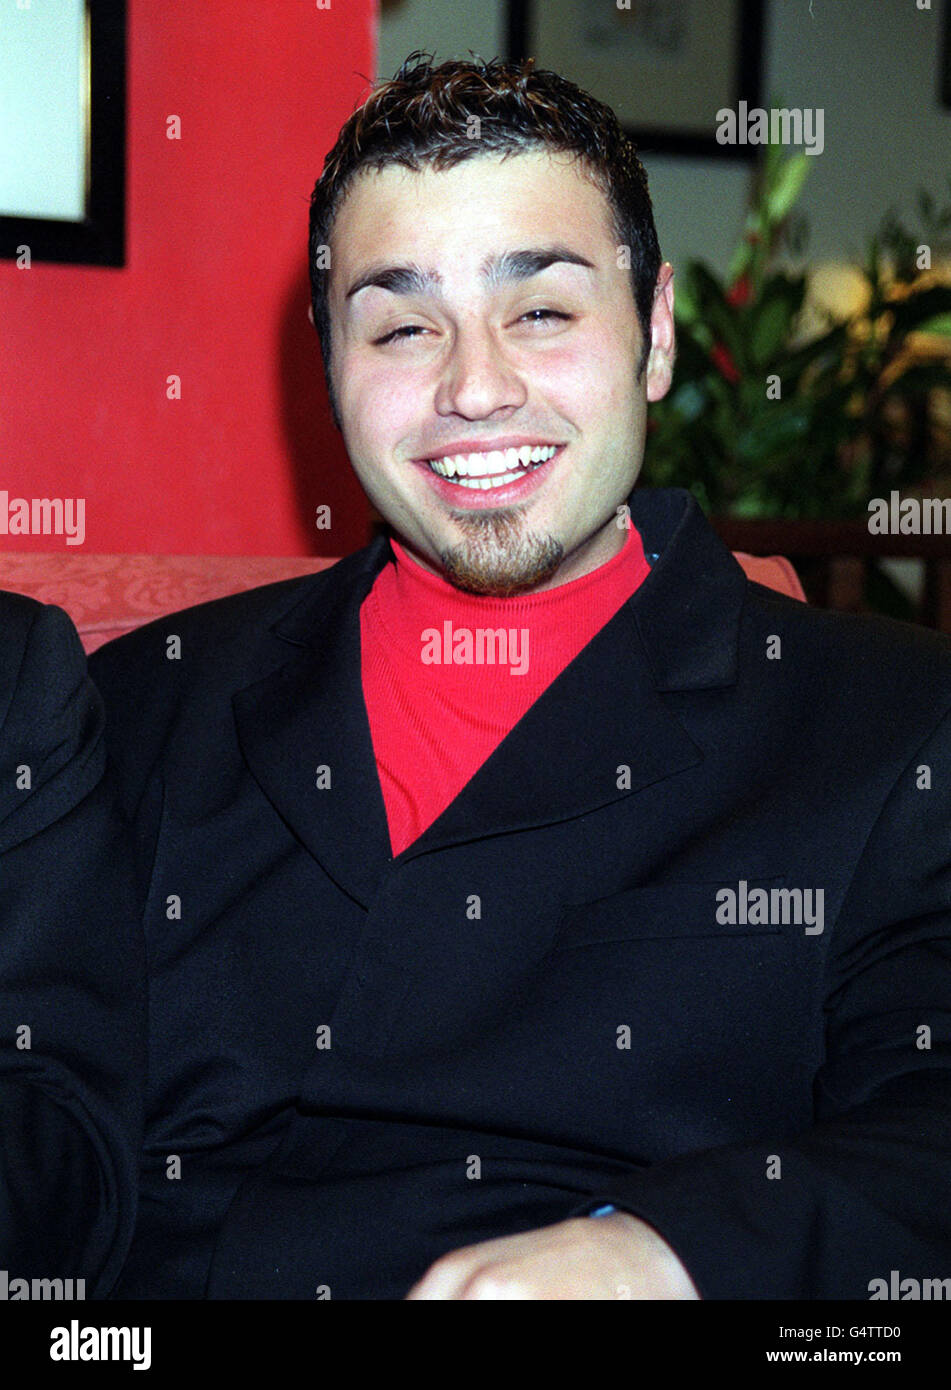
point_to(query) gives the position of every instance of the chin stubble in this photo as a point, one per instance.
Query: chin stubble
(497, 558)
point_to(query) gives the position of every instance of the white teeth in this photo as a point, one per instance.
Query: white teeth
(497, 480)
(494, 468)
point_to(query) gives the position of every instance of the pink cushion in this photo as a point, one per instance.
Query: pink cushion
(107, 595)
(774, 571)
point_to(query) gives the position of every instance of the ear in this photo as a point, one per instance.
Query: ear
(660, 363)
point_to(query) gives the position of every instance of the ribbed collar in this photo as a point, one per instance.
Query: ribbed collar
(408, 599)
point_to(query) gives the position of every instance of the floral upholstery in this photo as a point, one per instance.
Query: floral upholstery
(107, 595)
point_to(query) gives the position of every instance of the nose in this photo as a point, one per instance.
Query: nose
(478, 378)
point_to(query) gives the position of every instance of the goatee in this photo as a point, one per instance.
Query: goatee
(497, 558)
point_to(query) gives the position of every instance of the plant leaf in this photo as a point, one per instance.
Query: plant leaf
(788, 186)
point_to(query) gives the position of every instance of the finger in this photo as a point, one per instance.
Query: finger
(444, 1279)
(496, 1285)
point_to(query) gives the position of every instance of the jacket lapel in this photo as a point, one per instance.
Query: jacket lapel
(310, 715)
(600, 732)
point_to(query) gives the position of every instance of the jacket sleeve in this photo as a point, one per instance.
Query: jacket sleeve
(72, 982)
(867, 1189)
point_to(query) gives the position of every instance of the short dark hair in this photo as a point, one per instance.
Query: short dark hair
(422, 118)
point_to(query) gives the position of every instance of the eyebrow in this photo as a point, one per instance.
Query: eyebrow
(497, 269)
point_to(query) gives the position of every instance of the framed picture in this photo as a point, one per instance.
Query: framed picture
(664, 66)
(62, 130)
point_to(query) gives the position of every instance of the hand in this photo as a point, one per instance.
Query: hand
(615, 1256)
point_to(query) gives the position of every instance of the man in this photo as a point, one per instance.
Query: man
(72, 1000)
(530, 864)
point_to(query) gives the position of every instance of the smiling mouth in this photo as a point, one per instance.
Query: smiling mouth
(496, 468)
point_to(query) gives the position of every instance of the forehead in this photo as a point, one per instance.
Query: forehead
(483, 200)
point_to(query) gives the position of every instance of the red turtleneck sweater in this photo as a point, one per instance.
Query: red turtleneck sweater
(440, 689)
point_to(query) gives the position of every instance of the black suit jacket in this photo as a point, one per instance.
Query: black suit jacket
(71, 968)
(541, 1003)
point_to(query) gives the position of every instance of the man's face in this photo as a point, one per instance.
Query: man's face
(452, 362)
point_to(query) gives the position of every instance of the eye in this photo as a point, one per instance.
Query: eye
(550, 313)
(399, 334)
(407, 328)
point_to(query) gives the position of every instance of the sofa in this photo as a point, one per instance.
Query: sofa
(107, 595)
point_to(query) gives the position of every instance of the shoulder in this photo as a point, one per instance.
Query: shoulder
(213, 641)
(51, 718)
(42, 662)
(42, 629)
(869, 670)
(844, 635)
(169, 684)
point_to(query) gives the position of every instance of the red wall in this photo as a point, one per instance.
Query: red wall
(214, 290)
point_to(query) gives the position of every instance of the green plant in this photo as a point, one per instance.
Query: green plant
(762, 420)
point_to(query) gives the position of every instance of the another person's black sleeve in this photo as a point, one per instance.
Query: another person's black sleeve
(72, 978)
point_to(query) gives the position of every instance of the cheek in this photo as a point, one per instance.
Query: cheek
(613, 381)
(592, 375)
(374, 404)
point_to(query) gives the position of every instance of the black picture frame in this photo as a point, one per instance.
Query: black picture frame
(747, 83)
(99, 238)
